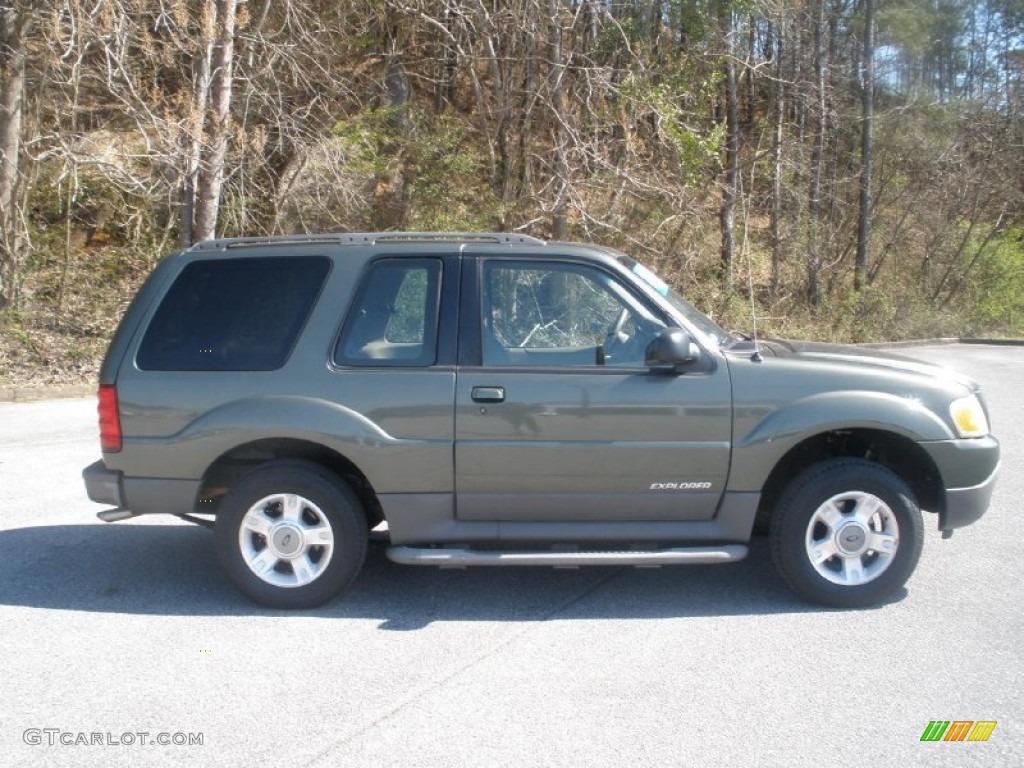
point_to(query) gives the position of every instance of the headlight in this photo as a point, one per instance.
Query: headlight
(969, 417)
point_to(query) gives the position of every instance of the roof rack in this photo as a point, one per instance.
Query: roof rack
(371, 238)
(458, 237)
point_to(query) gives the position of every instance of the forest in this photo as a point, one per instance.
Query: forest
(833, 169)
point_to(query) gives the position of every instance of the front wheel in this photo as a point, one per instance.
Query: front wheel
(291, 535)
(846, 532)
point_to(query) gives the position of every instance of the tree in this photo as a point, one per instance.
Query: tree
(732, 146)
(210, 180)
(866, 149)
(15, 24)
(559, 217)
(675, 129)
(815, 246)
(777, 49)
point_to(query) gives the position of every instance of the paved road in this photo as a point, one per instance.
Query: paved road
(129, 628)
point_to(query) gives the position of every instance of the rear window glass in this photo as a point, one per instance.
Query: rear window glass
(233, 314)
(393, 318)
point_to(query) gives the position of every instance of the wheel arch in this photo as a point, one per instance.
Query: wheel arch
(242, 459)
(896, 452)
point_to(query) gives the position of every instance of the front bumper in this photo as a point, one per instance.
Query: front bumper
(968, 468)
(966, 505)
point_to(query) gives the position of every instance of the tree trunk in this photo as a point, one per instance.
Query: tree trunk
(193, 137)
(211, 169)
(523, 178)
(866, 149)
(779, 120)
(732, 129)
(445, 88)
(750, 110)
(559, 217)
(814, 245)
(14, 27)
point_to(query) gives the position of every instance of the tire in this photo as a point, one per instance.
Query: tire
(846, 533)
(291, 534)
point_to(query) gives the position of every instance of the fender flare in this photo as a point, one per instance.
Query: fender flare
(309, 419)
(757, 452)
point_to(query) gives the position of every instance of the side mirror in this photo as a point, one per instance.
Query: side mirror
(670, 349)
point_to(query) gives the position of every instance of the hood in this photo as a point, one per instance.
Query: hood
(845, 354)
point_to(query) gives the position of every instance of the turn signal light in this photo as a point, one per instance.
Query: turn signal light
(969, 417)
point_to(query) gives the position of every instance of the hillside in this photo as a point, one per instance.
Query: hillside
(767, 155)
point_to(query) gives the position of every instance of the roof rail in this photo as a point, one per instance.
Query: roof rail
(234, 242)
(370, 238)
(458, 237)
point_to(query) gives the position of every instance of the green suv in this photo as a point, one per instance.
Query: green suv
(494, 399)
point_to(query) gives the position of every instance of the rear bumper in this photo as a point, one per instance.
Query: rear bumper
(142, 495)
(103, 485)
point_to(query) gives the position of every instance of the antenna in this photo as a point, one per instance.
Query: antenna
(756, 357)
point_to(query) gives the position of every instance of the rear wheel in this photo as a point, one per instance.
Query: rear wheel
(846, 532)
(291, 535)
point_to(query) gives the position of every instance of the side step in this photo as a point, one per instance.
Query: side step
(460, 557)
(114, 515)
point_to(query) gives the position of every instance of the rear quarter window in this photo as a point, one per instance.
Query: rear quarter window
(233, 314)
(393, 318)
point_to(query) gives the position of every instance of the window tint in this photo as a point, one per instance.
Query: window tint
(393, 318)
(561, 315)
(233, 314)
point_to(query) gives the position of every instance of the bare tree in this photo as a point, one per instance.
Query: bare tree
(866, 149)
(559, 219)
(15, 23)
(815, 245)
(192, 135)
(218, 126)
(732, 146)
(778, 123)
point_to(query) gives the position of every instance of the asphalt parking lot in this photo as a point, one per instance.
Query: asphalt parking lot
(111, 631)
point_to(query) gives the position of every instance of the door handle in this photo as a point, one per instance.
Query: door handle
(488, 394)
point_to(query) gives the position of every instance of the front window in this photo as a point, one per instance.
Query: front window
(546, 314)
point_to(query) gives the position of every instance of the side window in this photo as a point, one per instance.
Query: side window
(233, 314)
(561, 315)
(393, 318)
(407, 323)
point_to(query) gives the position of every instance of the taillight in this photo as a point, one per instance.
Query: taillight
(110, 419)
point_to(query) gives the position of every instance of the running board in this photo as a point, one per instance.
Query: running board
(460, 557)
(113, 515)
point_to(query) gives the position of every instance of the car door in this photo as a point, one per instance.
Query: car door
(558, 419)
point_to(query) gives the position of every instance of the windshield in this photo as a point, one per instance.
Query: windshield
(694, 316)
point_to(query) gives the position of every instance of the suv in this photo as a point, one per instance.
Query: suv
(494, 399)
